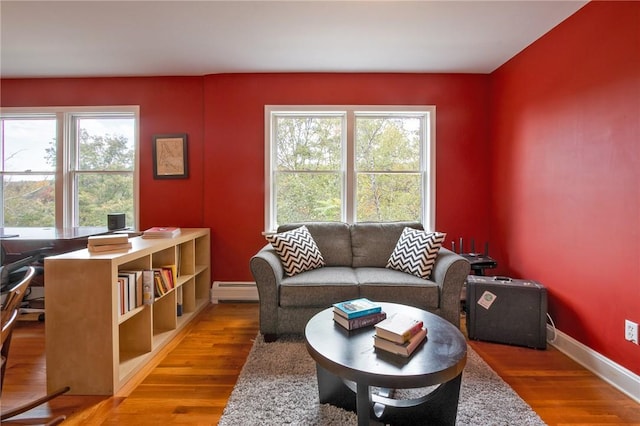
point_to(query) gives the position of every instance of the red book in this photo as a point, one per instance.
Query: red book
(161, 232)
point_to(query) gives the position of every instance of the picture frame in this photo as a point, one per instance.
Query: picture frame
(170, 156)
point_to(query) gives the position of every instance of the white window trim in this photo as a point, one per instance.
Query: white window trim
(64, 209)
(349, 111)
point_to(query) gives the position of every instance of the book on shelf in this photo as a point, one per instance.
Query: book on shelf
(101, 240)
(126, 282)
(405, 349)
(356, 308)
(129, 290)
(398, 327)
(167, 278)
(163, 279)
(139, 287)
(122, 307)
(160, 289)
(147, 287)
(359, 322)
(105, 248)
(135, 281)
(173, 269)
(179, 301)
(161, 232)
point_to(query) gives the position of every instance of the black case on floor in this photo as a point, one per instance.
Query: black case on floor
(505, 310)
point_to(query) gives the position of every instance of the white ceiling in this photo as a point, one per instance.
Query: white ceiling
(156, 38)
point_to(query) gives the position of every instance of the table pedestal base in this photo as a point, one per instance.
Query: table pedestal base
(439, 407)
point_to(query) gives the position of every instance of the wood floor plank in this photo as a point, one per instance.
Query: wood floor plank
(190, 382)
(559, 389)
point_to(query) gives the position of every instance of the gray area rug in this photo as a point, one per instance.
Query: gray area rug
(277, 386)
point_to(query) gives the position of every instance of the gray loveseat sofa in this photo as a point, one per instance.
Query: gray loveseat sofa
(355, 257)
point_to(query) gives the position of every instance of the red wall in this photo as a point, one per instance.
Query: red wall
(542, 156)
(167, 105)
(223, 116)
(234, 149)
(566, 173)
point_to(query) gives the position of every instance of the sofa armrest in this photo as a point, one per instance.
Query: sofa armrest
(450, 272)
(268, 272)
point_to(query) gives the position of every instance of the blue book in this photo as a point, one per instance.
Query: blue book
(356, 308)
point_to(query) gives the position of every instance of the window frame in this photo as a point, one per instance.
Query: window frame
(67, 171)
(348, 166)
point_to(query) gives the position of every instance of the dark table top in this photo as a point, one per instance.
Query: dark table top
(480, 261)
(40, 233)
(351, 355)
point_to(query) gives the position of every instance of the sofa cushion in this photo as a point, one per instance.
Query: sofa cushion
(416, 252)
(297, 250)
(373, 242)
(319, 287)
(333, 240)
(387, 285)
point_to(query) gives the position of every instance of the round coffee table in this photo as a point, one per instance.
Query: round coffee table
(348, 366)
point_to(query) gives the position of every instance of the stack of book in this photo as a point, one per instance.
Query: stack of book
(130, 290)
(164, 279)
(399, 334)
(357, 313)
(161, 232)
(107, 243)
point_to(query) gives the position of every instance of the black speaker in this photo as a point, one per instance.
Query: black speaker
(506, 310)
(116, 221)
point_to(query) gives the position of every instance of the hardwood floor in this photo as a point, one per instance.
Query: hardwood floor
(559, 389)
(191, 380)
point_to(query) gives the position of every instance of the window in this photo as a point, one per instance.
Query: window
(352, 164)
(68, 167)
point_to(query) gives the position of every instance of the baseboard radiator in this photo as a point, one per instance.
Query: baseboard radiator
(233, 291)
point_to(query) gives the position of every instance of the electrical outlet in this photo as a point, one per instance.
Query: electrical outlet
(631, 331)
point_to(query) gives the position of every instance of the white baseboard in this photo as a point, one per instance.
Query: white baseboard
(230, 290)
(616, 375)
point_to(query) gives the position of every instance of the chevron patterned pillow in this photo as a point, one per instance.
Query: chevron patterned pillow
(297, 250)
(416, 252)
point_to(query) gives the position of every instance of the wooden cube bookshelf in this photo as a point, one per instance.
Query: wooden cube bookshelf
(90, 345)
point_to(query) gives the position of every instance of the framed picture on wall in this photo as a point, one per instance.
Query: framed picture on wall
(170, 156)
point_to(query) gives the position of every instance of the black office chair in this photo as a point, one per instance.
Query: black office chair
(17, 268)
(14, 295)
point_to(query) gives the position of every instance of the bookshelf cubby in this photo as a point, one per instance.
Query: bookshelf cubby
(93, 348)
